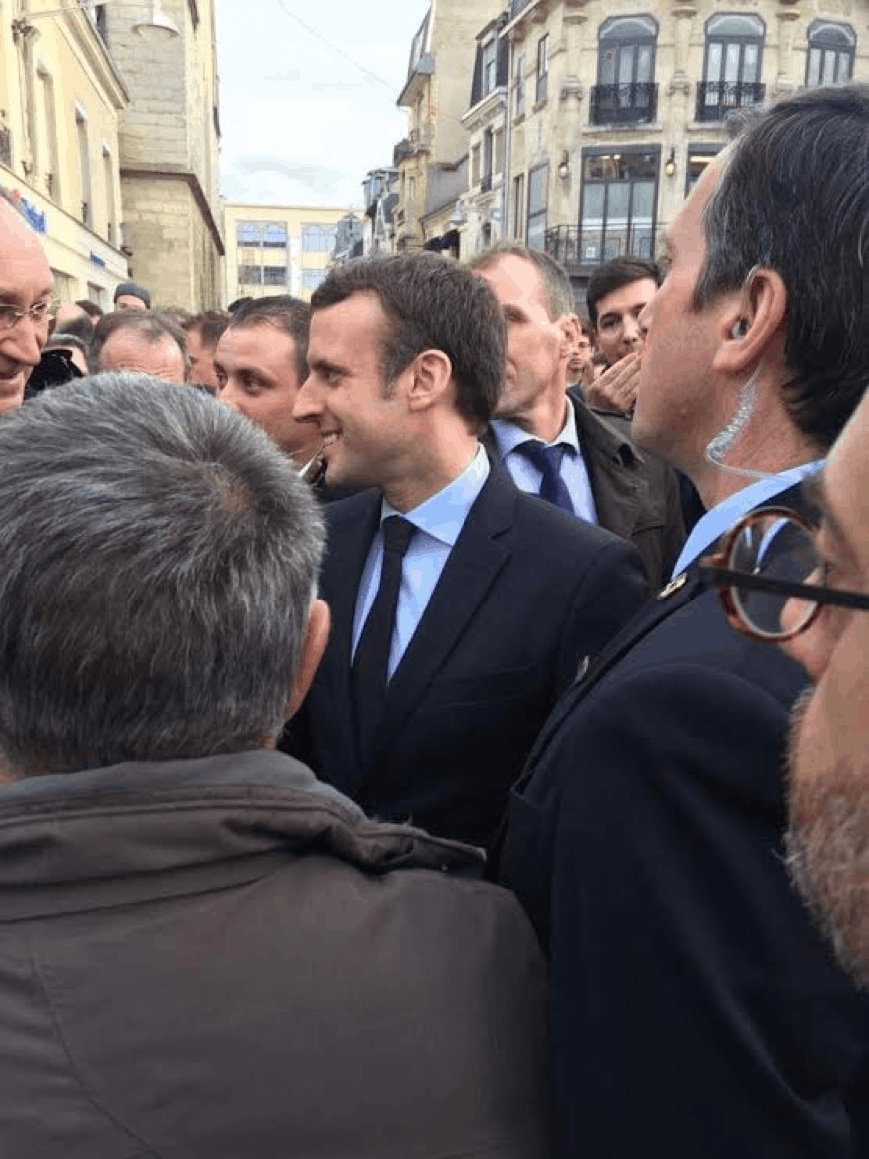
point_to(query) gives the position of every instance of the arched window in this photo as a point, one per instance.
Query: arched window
(275, 235)
(731, 72)
(830, 59)
(625, 90)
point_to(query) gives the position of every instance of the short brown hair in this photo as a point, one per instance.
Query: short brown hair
(287, 313)
(431, 303)
(614, 274)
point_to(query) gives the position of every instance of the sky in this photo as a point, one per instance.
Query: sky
(301, 123)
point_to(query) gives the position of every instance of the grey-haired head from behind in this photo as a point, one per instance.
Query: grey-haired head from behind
(159, 560)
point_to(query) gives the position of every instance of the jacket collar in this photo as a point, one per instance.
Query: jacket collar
(605, 434)
(142, 828)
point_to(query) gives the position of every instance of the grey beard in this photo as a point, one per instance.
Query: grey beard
(827, 855)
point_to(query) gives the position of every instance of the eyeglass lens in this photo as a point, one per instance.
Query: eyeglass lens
(778, 548)
(10, 316)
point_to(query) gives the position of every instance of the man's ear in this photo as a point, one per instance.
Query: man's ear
(752, 323)
(570, 329)
(432, 373)
(313, 647)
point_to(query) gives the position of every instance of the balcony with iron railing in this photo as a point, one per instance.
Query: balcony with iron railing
(628, 104)
(420, 140)
(715, 99)
(580, 250)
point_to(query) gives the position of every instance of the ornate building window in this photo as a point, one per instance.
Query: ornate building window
(518, 204)
(625, 91)
(274, 275)
(617, 208)
(490, 66)
(275, 235)
(699, 157)
(731, 69)
(249, 233)
(488, 160)
(318, 238)
(538, 201)
(830, 59)
(542, 87)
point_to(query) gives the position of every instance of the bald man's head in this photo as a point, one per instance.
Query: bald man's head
(25, 283)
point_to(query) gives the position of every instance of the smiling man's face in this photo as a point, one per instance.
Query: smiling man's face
(828, 834)
(25, 280)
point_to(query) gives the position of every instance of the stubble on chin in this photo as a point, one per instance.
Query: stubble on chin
(827, 842)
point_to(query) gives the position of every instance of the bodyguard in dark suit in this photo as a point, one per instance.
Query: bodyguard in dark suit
(461, 608)
(550, 442)
(695, 1009)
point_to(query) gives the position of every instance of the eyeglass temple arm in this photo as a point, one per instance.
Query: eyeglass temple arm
(759, 583)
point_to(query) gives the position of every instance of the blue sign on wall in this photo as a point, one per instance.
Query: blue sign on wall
(37, 218)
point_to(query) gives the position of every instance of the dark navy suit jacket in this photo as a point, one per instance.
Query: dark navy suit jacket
(695, 1010)
(526, 593)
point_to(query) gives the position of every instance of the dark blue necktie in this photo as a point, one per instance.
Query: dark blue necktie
(371, 659)
(547, 460)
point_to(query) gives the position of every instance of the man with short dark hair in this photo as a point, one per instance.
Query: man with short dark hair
(203, 950)
(260, 364)
(204, 331)
(434, 686)
(135, 340)
(580, 368)
(645, 836)
(618, 292)
(25, 304)
(548, 439)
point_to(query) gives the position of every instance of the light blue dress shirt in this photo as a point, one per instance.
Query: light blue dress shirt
(527, 477)
(438, 522)
(723, 515)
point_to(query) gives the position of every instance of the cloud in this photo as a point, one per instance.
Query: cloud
(306, 171)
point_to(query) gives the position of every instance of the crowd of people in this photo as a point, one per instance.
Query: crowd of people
(433, 723)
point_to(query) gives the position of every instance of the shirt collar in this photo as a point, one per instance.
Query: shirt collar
(723, 515)
(509, 435)
(443, 514)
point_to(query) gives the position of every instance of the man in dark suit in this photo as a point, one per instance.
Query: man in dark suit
(461, 608)
(695, 1010)
(550, 442)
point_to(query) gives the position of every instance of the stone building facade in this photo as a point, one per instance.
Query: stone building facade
(169, 149)
(61, 97)
(282, 249)
(588, 121)
(432, 159)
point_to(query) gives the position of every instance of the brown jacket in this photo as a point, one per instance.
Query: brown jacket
(223, 957)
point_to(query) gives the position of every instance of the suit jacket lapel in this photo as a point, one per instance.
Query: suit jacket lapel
(471, 569)
(680, 591)
(675, 595)
(349, 539)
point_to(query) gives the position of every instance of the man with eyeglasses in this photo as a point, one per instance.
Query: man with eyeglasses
(695, 1009)
(797, 585)
(25, 304)
(828, 803)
